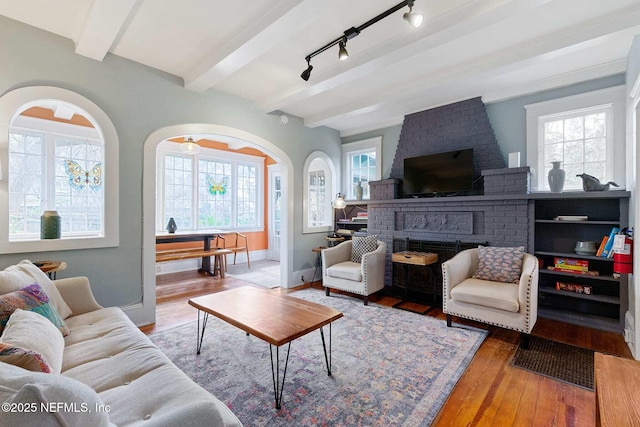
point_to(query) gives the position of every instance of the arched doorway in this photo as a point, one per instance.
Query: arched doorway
(222, 134)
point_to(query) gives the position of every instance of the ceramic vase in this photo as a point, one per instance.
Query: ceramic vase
(556, 178)
(50, 225)
(358, 190)
(171, 226)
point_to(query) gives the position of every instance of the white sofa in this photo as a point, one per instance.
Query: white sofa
(111, 373)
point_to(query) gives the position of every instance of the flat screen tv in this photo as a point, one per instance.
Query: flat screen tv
(440, 173)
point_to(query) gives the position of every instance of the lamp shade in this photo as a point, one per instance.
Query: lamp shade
(339, 203)
(190, 147)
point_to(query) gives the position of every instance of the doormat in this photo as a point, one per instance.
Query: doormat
(563, 362)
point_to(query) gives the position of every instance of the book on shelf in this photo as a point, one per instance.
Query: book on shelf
(603, 243)
(359, 219)
(572, 287)
(568, 270)
(362, 214)
(344, 231)
(607, 252)
(571, 263)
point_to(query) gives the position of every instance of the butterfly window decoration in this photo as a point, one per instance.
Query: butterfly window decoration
(217, 187)
(79, 178)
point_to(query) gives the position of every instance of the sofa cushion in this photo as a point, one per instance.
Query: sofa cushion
(499, 264)
(348, 270)
(31, 298)
(25, 273)
(108, 353)
(361, 245)
(498, 295)
(37, 390)
(30, 331)
(26, 359)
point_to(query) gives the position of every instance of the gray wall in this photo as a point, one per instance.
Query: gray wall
(507, 118)
(138, 101)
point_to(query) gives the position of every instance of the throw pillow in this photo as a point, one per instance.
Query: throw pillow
(499, 264)
(40, 277)
(27, 359)
(31, 298)
(25, 273)
(361, 246)
(33, 332)
(33, 389)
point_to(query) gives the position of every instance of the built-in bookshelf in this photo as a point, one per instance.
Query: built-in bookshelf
(601, 300)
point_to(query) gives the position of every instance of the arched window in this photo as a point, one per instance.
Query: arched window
(61, 152)
(318, 189)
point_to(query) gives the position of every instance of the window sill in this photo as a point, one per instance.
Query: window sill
(51, 245)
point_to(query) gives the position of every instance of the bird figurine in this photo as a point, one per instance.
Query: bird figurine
(591, 183)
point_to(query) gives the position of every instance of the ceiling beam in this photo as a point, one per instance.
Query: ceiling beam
(104, 22)
(455, 24)
(562, 42)
(282, 22)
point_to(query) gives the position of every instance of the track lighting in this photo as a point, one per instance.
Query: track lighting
(307, 73)
(342, 52)
(413, 18)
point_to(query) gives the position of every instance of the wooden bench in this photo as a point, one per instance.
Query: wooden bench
(181, 254)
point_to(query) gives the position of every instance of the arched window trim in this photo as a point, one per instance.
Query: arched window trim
(332, 185)
(16, 101)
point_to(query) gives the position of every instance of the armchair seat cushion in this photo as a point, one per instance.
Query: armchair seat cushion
(498, 295)
(348, 270)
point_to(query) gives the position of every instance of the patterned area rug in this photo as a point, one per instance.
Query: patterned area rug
(559, 361)
(265, 273)
(390, 367)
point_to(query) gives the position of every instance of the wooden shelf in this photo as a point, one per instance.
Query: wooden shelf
(600, 298)
(582, 276)
(554, 221)
(573, 255)
(581, 319)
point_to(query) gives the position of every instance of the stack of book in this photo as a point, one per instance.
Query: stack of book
(570, 265)
(360, 217)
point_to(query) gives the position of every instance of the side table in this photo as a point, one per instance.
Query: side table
(334, 240)
(422, 259)
(51, 267)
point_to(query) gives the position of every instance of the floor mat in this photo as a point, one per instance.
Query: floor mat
(556, 360)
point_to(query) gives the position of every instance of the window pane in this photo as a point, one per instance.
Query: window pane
(573, 129)
(215, 194)
(178, 199)
(595, 125)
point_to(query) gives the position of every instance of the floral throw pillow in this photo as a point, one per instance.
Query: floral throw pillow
(499, 264)
(30, 298)
(361, 246)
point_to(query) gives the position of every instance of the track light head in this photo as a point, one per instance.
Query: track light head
(413, 18)
(307, 73)
(342, 52)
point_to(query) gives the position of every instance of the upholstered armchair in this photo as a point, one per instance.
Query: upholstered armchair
(490, 285)
(357, 269)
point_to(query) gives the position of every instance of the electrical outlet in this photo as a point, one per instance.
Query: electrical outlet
(158, 269)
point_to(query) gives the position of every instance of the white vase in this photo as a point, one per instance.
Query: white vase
(556, 178)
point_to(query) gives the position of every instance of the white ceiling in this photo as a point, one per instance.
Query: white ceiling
(255, 49)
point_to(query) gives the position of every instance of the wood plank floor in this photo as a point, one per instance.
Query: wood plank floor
(490, 393)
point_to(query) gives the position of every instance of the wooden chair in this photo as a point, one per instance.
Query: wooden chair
(235, 242)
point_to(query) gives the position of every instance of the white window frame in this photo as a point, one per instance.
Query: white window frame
(358, 147)
(168, 147)
(330, 183)
(51, 130)
(612, 98)
(18, 100)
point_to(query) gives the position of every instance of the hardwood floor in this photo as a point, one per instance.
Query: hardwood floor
(490, 393)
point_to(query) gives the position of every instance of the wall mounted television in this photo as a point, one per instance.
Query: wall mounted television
(438, 174)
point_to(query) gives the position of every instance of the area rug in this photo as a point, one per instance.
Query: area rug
(559, 361)
(390, 367)
(265, 273)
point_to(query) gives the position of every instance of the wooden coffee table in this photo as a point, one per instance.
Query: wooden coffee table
(271, 316)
